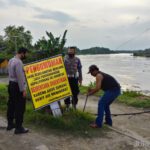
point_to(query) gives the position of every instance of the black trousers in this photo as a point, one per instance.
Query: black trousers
(16, 105)
(75, 91)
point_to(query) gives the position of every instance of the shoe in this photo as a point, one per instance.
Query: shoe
(10, 127)
(21, 130)
(94, 125)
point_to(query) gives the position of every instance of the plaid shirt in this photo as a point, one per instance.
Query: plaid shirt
(73, 67)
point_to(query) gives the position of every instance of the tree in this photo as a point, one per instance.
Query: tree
(56, 45)
(41, 44)
(17, 37)
(52, 46)
(96, 50)
(2, 43)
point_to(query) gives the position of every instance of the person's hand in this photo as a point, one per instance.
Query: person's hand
(89, 91)
(24, 94)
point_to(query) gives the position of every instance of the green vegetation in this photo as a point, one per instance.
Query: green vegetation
(52, 46)
(3, 97)
(145, 53)
(95, 50)
(100, 50)
(16, 37)
(135, 99)
(3, 75)
(84, 89)
(131, 98)
(72, 122)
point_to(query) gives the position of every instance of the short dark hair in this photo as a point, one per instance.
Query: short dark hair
(92, 68)
(22, 50)
(72, 47)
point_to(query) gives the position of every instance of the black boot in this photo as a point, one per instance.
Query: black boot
(21, 130)
(10, 127)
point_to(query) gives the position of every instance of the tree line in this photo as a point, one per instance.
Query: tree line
(145, 53)
(15, 37)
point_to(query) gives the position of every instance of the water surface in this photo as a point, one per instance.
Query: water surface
(133, 73)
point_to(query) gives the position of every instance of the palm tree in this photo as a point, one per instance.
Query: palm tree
(52, 46)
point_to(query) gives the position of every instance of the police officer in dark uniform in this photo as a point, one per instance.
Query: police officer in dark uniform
(17, 92)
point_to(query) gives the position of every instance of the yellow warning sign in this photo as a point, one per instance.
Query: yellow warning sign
(47, 81)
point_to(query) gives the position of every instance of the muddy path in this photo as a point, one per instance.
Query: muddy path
(37, 140)
(136, 125)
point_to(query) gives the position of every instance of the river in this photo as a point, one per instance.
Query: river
(133, 73)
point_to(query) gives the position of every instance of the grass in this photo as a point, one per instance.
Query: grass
(130, 98)
(72, 122)
(75, 123)
(3, 75)
(3, 97)
(84, 89)
(135, 99)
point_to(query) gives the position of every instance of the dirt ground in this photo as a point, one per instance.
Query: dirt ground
(134, 126)
(138, 124)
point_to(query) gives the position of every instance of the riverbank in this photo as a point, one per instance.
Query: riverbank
(45, 134)
(72, 131)
(47, 140)
(130, 98)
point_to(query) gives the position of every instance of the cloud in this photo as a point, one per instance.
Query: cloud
(137, 19)
(18, 2)
(58, 16)
(2, 4)
(107, 36)
(103, 23)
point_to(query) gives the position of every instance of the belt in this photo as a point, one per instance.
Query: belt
(13, 81)
(71, 76)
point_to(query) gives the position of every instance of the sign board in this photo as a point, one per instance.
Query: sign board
(47, 81)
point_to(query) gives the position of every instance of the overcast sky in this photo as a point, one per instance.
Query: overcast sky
(115, 24)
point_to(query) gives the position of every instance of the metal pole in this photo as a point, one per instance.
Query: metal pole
(85, 103)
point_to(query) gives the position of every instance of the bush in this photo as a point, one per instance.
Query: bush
(3, 96)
